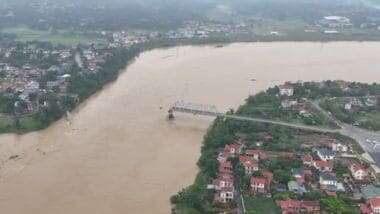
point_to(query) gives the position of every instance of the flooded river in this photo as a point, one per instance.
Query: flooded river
(118, 154)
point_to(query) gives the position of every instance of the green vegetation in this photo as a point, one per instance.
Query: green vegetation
(370, 120)
(268, 105)
(365, 117)
(337, 205)
(256, 205)
(282, 139)
(25, 34)
(83, 84)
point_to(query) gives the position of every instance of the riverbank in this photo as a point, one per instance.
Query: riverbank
(89, 84)
(118, 161)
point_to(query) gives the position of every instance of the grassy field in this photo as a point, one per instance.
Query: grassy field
(24, 34)
(260, 205)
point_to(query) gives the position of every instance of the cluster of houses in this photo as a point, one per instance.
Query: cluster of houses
(201, 29)
(318, 172)
(27, 82)
(189, 30)
(353, 104)
(286, 92)
(128, 38)
(34, 78)
(93, 59)
(333, 24)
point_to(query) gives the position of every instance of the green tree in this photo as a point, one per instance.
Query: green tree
(336, 205)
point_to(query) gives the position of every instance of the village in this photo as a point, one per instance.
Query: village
(323, 169)
(30, 71)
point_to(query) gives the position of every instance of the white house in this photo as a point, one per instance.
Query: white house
(286, 90)
(325, 154)
(375, 205)
(327, 179)
(348, 106)
(286, 104)
(338, 147)
(358, 171)
(225, 195)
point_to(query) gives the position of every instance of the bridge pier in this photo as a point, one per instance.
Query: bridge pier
(171, 114)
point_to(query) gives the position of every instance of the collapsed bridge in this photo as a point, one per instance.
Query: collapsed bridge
(211, 110)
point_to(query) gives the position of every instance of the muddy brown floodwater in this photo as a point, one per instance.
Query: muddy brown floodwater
(118, 154)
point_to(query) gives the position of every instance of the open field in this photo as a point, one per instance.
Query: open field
(25, 34)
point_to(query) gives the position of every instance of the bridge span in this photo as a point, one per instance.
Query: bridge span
(211, 110)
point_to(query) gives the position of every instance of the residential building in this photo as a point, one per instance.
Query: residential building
(225, 167)
(233, 150)
(307, 160)
(226, 194)
(296, 187)
(260, 185)
(338, 147)
(358, 171)
(328, 181)
(323, 166)
(310, 207)
(256, 154)
(291, 206)
(287, 104)
(286, 90)
(249, 165)
(325, 154)
(223, 180)
(371, 207)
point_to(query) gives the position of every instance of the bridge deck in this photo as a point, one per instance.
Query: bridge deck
(211, 110)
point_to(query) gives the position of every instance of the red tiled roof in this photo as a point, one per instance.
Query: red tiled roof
(252, 152)
(268, 175)
(256, 152)
(289, 204)
(310, 204)
(247, 161)
(307, 158)
(232, 149)
(225, 167)
(375, 202)
(227, 189)
(357, 167)
(257, 180)
(323, 164)
(365, 209)
(268, 137)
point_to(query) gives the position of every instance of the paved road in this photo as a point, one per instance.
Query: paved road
(368, 140)
(291, 125)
